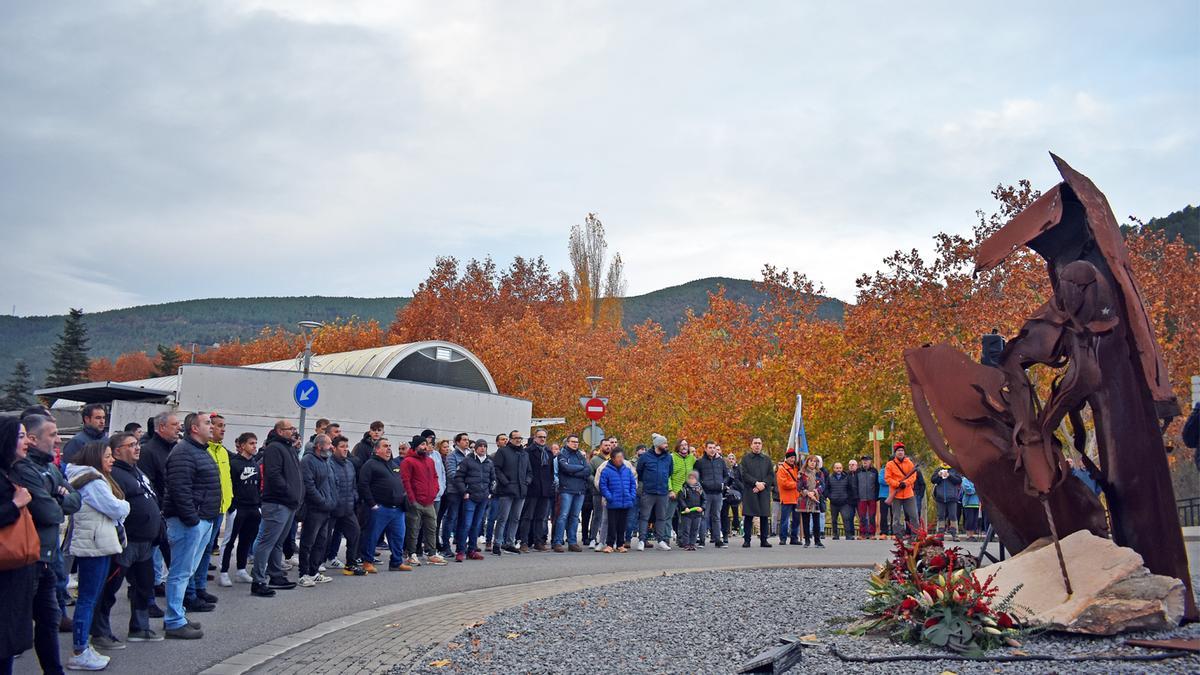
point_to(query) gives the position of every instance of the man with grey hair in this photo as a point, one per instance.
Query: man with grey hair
(153, 464)
(320, 497)
(191, 503)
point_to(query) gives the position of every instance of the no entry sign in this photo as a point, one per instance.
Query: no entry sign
(594, 408)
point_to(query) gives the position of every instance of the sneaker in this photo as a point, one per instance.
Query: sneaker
(307, 581)
(353, 571)
(198, 605)
(721, 544)
(144, 636)
(333, 564)
(243, 577)
(322, 579)
(369, 568)
(207, 597)
(402, 567)
(595, 546)
(700, 545)
(73, 584)
(184, 632)
(436, 560)
(281, 583)
(664, 546)
(320, 568)
(510, 548)
(412, 561)
(640, 545)
(261, 590)
(766, 544)
(287, 566)
(474, 555)
(820, 545)
(108, 644)
(496, 549)
(225, 581)
(746, 544)
(88, 659)
(459, 557)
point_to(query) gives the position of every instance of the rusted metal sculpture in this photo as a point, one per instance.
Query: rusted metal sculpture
(990, 424)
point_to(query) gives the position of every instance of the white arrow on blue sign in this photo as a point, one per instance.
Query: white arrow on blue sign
(306, 393)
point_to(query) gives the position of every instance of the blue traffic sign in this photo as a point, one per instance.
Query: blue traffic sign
(306, 393)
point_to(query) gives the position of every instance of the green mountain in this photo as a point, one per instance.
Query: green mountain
(1182, 223)
(205, 322)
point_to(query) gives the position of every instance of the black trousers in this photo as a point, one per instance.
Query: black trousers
(618, 519)
(346, 526)
(585, 517)
(140, 575)
(312, 541)
(245, 530)
(764, 528)
(532, 529)
(46, 617)
(812, 525)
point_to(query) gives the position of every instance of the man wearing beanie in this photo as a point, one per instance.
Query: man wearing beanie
(654, 471)
(421, 485)
(900, 475)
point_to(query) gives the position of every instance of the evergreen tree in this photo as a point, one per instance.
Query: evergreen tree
(69, 358)
(18, 392)
(169, 359)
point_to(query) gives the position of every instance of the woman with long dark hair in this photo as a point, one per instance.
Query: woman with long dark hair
(96, 534)
(16, 585)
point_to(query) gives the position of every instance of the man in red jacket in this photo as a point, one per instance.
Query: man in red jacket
(421, 484)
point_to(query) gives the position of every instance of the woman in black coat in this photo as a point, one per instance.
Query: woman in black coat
(16, 586)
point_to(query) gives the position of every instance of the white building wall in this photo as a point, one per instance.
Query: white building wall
(253, 399)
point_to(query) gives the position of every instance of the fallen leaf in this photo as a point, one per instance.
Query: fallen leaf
(453, 645)
(513, 636)
(477, 624)
(811, 637)
(440, 664)
(949, 672)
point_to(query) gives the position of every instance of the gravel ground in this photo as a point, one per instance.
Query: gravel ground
(712, 622)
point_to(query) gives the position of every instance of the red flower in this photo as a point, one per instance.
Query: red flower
(908, 604)
(937, 562)
(930, 621)
(1003, 620)
(980, 607)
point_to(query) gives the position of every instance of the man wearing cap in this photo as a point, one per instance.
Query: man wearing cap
(654, 472)
(900, 475)
(419, 473)
(866, 487)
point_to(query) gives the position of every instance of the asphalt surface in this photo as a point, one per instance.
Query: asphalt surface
(242, 621)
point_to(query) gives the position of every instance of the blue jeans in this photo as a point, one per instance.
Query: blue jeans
(451, 505)
(188, 545)
(631, 519)
(467, 537)
(789, 522)
(199, 580)
(384, 519)
(568, 518)
(92, 572)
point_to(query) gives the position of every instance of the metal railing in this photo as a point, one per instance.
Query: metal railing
(1189, 511)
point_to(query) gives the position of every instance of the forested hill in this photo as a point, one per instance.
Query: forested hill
(205, 322)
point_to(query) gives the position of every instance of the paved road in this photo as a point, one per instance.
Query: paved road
(242, 622)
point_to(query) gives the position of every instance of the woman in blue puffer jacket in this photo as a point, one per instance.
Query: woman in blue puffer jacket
(618, 486)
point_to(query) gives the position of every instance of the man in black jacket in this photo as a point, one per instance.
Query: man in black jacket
(513, 476)
(343, 522)
(842, 501)
(532, 532)
(473, 480)
(866, 489)
(713, 476)
(382, 492)
(155, 451)
(190, 505)
(366, 447)
(282, 490)
(143, 527)
(53, 500)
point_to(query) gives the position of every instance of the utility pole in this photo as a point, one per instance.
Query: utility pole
(309, 331)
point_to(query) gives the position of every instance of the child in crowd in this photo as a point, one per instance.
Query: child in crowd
(691, 507)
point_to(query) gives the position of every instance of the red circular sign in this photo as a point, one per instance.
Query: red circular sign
(594, 409)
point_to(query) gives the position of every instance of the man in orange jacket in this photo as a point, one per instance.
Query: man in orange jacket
(900, 476)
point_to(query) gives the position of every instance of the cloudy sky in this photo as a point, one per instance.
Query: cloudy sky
(155, 151)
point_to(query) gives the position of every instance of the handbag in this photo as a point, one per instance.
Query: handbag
(19, 542)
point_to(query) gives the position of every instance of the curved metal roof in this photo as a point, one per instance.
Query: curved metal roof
(376, 361)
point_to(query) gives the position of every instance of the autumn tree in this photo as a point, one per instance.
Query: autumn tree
(130, 366)
(598, 288)
(168, 361)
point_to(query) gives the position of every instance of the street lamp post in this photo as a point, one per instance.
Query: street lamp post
(308, 330)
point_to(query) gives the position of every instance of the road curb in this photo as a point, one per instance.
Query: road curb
(262, 654)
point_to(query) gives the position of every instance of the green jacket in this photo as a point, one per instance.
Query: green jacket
(221, 456)
(680, 468)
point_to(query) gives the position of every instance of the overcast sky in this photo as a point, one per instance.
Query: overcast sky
(157, 151)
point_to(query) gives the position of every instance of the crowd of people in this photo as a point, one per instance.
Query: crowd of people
(149, 508)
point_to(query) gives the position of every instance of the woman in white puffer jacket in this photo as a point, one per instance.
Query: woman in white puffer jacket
(95, 535)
